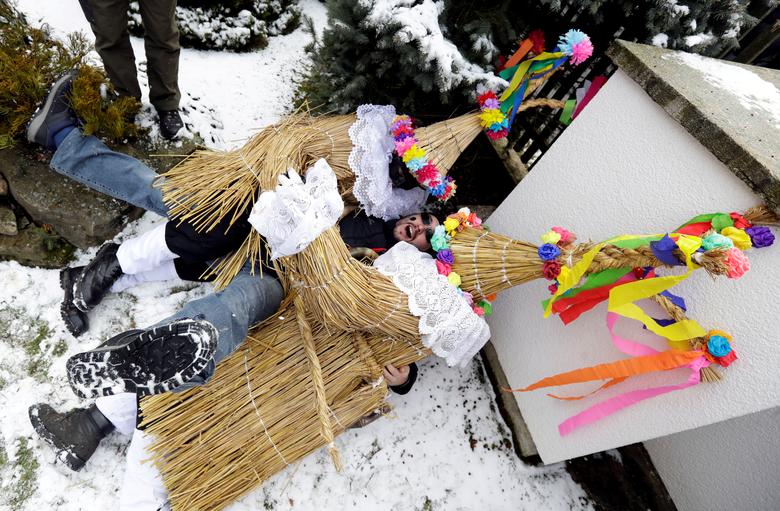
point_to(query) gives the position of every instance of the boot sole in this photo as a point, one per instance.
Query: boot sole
(78, 295)
(40, 115)
(66, 283)
(62, 453)
(158, 360)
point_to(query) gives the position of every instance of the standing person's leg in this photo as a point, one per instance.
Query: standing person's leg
(161, 41)
(87, 160)
(108, 19)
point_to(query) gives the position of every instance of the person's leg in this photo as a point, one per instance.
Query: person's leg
(121, 410)
(145, 252)
(108, 19)
(161, 41)
(87, 160)
(166, 271)
(178, 350)
(246, 301)
(142, 487)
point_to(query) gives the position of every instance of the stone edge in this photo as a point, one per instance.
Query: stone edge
(730, 152)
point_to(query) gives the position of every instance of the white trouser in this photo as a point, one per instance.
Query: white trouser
(145, 252)
(142, 487)
(166, 271)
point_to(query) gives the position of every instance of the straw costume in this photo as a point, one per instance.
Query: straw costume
(311, 370)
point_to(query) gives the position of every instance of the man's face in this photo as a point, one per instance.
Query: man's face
(416, 229)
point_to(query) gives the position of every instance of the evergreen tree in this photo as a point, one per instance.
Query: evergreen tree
(381, 51)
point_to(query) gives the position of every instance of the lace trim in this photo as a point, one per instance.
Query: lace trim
(372, 150)
(448, 326)
(293, 215)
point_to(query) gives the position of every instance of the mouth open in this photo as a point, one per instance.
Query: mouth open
(409, 231)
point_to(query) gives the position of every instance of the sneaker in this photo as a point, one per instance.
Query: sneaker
(75, 320)
(170, 123)
(74, 435)
(146, 362)
(97, 278)
(54, 115)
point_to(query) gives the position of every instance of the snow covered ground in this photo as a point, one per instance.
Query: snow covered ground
(445, 447)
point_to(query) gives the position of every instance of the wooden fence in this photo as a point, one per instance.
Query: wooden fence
(533, 134)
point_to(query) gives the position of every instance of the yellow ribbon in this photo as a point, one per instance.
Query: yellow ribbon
(622, 298)
(522, 70)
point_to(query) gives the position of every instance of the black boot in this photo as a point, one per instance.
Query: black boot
(55, 113)
(75, 320)
(144, 361)
(73, 435)
(97, 278)
(170, 123)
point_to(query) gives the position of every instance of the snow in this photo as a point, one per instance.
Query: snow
(661, 40)
(752, 91)
(444, 447)
(419, 26)
(700, 39)
(678, 10)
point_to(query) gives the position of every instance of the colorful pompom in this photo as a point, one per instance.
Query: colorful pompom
(548, 252)
(760, 236)
(737, 263)
(551, 237)
(577, 45)
(716, 241)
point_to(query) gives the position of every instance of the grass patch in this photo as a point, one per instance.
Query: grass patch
(33, 346)
(24, 481)
(59, 349)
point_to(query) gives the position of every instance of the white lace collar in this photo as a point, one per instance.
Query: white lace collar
(372, 151)
(448, 326)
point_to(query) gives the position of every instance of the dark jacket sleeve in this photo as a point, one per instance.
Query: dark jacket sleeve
(406, 387)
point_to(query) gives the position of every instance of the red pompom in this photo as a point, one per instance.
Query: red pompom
(726, 360)
(487, 95)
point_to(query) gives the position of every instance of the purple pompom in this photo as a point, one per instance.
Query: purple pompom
(446, 256)
(760, 236)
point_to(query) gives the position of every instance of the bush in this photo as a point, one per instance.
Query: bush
(30, 60)
(238, 25)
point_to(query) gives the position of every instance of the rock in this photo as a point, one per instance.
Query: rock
(81, 216)
(3, 187)
(7, 222)
(35, 247)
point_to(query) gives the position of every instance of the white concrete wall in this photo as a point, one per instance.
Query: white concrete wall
(733, 465)
(625, 166)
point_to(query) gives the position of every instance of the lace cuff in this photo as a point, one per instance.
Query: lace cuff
(293, 215)
(448, 326)
(372, 150)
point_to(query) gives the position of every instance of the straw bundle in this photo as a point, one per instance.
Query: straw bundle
(343, 293)
(211, 185)
(488, 262)
(259, 413)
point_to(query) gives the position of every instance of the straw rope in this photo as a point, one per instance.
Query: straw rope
(256, 416)
(708, 374)
(316, 376)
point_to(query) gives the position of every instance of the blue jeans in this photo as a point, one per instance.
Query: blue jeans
(88, 161)
(247, 300)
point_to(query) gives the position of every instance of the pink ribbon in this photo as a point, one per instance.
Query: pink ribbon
(612, 405)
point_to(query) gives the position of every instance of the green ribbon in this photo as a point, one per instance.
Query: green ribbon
(568, 109)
